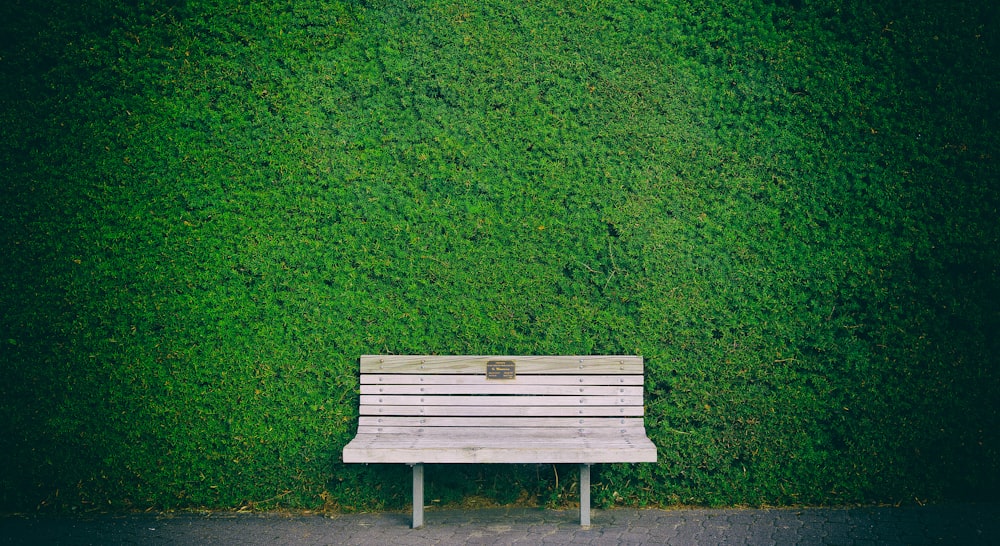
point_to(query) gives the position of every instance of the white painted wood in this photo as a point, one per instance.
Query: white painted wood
(503, 388)
(472, 400)
(480, 379)
(505, 411)
(450, 364)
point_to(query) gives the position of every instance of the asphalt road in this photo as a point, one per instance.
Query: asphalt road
(951, 524)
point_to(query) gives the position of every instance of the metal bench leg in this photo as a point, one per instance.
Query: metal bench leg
(585, 495)
(418, 495)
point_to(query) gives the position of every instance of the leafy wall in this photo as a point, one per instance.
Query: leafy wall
(211, 208)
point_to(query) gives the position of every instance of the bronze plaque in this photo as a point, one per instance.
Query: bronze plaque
(500, 369)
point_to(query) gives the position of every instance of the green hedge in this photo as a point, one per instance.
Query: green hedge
(211, 208)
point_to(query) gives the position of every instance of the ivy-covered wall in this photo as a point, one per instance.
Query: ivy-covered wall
(211, 208)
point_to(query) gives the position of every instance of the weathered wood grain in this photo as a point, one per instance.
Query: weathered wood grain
(457, 445)
(473, 400)
(506, 387)
(498, 422)
(530, 410)
(540, 409)
(525, 365)
(420, 396)
(480, 379)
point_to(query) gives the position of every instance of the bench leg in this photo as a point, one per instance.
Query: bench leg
(585, 495)
(418, 495)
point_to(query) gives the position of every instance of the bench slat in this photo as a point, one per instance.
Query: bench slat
(466, 436)
(455, 439)
(480, 379)
(463, 445)
(499, 422)
(525, 365)
(551, 455)
(514, 400)
(407, 429)
(505, 411)
(503, 388)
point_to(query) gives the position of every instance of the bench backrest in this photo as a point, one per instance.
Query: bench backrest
(402, 394)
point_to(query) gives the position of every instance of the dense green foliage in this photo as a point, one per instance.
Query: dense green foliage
(211, 208)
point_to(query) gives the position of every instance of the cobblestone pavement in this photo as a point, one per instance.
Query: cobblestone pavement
(952, 524)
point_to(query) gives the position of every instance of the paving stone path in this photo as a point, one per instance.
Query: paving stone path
(952, 524)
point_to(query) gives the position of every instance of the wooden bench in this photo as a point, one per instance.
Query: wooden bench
(501, 409)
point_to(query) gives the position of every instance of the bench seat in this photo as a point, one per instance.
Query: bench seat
(528, 445)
